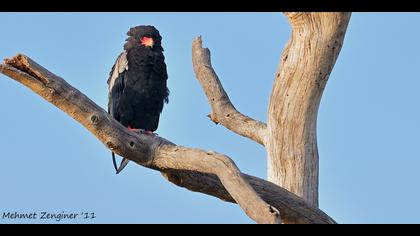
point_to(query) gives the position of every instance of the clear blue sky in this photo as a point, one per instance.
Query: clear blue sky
(368, 123)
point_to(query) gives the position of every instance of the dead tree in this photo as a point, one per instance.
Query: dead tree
(289, 136)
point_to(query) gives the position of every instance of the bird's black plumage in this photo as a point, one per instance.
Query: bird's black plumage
(138, 81)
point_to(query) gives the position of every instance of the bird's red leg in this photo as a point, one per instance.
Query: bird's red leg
(141, 131)
(133, 129)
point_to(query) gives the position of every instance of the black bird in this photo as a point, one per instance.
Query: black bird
(137, 83)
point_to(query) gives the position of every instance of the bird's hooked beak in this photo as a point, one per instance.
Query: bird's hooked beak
(146, 41)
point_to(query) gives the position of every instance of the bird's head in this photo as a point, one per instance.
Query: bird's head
(143, 36)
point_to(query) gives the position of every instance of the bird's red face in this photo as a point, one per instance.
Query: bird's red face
(146, 41)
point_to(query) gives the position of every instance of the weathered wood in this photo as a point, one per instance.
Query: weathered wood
(223, 112)
(209, 162)
(303, 72)
(204, 171)
(293, 208)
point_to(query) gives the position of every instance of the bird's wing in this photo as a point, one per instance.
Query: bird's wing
(119, 67)
(116, 83)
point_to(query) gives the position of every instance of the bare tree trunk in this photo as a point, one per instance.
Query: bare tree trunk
(303, 72)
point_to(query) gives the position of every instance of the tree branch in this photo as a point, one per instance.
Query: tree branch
(141, 149)
(223, 111)
(208, 172)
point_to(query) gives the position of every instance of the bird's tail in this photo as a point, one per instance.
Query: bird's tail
(114, 162)
(123, 164)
